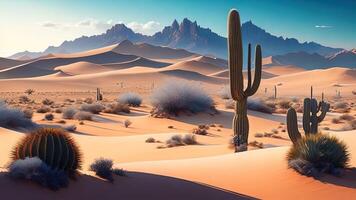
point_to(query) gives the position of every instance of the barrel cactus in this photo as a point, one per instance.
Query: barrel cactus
(238, 92)
(311, 119)
(53, 146)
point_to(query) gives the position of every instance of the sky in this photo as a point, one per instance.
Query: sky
(36, 24)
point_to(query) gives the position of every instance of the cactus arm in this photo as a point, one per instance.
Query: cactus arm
(258, 72)
(235, 55)
(324, 109)
(249, 78)
(292, 126)
(306, 116)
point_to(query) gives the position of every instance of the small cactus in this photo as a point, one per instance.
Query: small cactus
(53, 146)
(238, 93)
(311, 119)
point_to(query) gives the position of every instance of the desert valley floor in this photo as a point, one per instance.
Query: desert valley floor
(208, 170)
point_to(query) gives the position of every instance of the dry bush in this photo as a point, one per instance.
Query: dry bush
(150, 140)
(180, 97)
(131, 99)
(258, 104)
(14, 118)
(68, 113)
(259, 135)
(83, 115)
(95, 108)
(24, 99)
(117, 108)
(49, 117)
(127, 123)
(47, 102)
(347, 117)
(28, 113)
(335, 120)
(43, 109)
(256, 144)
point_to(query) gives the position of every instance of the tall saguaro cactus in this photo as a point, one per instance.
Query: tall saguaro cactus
(238, 92)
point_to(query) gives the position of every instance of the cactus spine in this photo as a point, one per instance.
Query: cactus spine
(99, 96)
(53, 146)
(238, 93)
(311, 119)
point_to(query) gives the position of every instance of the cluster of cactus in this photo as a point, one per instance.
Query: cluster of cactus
(53, 146)
(311, 119)
(238, 93)
(99, 95)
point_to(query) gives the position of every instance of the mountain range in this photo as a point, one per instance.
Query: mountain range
(190, 36)
(313, 60)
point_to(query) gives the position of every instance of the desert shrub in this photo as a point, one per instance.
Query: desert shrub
(229, 104)
(335, 120)
(58, 110)
(95, 108)
(89, 100)
(347, 117)
(256, 144)
(258, 105)
(70, 128)
(14, 118)
(39, 172)
(340, 105)
(175, 140)
(150, 140)
(189, 139)
(104, 169)
(50, 143)
(24, 99)
(43, 109)
(28, 113)
(68, 113)
(225, 93)
(176, 97)
(259, 135)
(318, 153)
(47, 102)
(29, 91)
(284, 104)
(49, 117)
(200, 131)
(131, 99)
(83, 115)
(127, 123)
(117, 108)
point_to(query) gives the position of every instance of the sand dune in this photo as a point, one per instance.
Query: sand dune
(282, 70)
(225, 74)
(82, 68)
(46, 66)
(140, 61)
(6, 63)
(214, 61)
(195, 66)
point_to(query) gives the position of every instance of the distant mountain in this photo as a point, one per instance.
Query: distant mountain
(190, 36)
(343, 58)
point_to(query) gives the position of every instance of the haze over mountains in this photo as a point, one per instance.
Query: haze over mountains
(190, 36)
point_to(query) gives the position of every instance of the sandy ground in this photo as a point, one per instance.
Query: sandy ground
(208, 170)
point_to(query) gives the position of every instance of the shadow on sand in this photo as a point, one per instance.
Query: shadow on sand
(348, 179)
(136, 186)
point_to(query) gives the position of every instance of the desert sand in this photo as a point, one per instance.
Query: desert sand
(209, 170)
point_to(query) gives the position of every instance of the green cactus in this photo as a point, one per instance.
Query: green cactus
(238, 93)
(311, 119)
(53, 146)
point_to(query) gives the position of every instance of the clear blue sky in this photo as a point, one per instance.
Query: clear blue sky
(35, 24)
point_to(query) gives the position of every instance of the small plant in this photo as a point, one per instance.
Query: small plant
(335, 120)
(29, 91)
(127, 123)
(256, 144)
(58, 110)
(24, 99)
(68, 113)
(47, 102)
(201, 130)
(83, 115)
(189, 139)
(117, 108)
(49, 117)
(14, 118)
(36, 170)
(317, 153)
(177, 97)
(70, 128)
(28, 113)
(43, 109)
(95, 108)
(259, 135)
(104, 169)
(131, 99)
(257, 104)
(150, 140)
(347, 117)
(175, 140)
